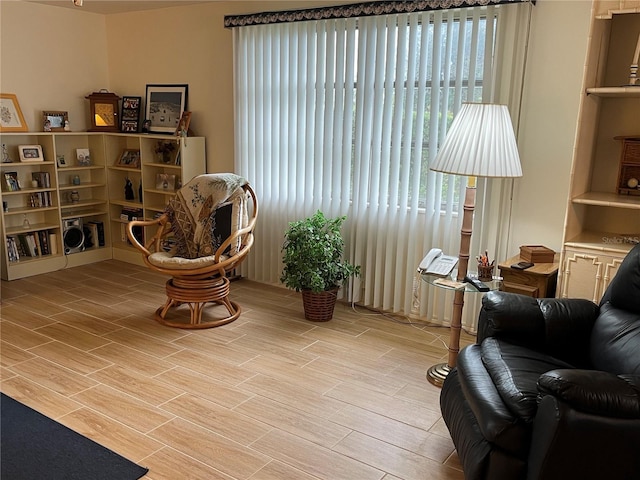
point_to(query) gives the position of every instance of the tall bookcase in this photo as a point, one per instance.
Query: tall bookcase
(71, 197)
(601, 224)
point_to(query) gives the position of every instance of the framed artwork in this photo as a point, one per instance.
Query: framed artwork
(164, 107)
(165, 181)
(60, 160)
(130, 115)
(11, 119)
(129, 158)
(30, 153)
(83, 157)
(54, 121)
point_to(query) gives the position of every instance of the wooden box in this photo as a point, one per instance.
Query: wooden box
(629, 171)
(536, 254)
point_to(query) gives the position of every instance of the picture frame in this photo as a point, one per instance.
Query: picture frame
(61, 161)
(182, 130)
(164, 107)
(54, 121)
(83, 157)
(129, 158)
(11, 118)
(30, 153)
(165, 181)
(130, 114)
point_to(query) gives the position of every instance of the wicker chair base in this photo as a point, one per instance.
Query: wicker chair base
(198, 294)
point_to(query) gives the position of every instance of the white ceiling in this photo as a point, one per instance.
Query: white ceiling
(107, 7)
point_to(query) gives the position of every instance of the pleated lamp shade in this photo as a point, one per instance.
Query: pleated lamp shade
(480, 143)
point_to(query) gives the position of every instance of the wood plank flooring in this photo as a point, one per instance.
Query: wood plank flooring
(270, 396)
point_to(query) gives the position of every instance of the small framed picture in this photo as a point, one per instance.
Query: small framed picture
(30, 153)
(54, 121)
(60, 160)
(183, 126)
(164, 107)
(83, 157)
(129, 158)
(165, 181)
(130, 115)
(11, 119)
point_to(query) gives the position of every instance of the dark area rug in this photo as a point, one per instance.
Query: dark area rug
(33, 446)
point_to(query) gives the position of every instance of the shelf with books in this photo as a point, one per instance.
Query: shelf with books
(83, 179)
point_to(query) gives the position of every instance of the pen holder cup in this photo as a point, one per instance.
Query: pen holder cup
(485, 273)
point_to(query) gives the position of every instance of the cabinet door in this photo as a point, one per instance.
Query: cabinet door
(587, 275)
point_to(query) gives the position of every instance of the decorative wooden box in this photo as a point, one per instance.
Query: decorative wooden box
(536, 254)
(629, 172)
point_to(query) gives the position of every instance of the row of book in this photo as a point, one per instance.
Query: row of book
(93, 234)
(43, 179)
(31, 244)
(40, 199)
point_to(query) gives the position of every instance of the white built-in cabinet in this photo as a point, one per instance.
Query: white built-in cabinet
(601, 224)
(69, 194)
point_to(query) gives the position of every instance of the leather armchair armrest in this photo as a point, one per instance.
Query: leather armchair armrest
(594, 392)
(558, 326)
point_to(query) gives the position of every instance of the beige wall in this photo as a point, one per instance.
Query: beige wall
(52, 57)
(555, 66)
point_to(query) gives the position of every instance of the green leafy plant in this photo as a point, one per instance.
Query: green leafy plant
(313, 250)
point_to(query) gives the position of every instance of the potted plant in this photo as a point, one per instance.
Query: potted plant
(313, 263)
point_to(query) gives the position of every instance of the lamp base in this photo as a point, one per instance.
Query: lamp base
(437, 373)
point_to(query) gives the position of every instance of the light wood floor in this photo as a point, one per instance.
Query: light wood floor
(270, 396)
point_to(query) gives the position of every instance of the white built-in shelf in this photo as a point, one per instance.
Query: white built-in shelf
(628, 91)
(616, 243)
(606, 199)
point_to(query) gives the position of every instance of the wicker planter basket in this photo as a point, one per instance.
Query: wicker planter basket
(318, 307)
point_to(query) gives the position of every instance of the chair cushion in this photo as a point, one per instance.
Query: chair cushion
(615, 341)
(169, 261)
(515, 371)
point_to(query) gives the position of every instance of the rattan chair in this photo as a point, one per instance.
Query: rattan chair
(203, 235)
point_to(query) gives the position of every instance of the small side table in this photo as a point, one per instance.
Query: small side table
(538, 281)
(437, 373)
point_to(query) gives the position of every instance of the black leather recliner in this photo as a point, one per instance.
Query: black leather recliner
(551, 388)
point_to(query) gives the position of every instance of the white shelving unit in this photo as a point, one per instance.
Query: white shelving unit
(601, 224)
(98, 195)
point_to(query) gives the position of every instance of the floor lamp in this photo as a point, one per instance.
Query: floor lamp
(480, 143)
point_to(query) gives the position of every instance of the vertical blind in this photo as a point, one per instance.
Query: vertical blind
(344, 115)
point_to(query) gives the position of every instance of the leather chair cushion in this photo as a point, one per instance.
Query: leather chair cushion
(499, 426)
(623, 289)
(615, 341)
(515, 371)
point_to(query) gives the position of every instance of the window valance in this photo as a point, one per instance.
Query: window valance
(362, 9)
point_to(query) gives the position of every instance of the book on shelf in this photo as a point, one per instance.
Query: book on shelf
(43, 179)
(90, 235)
(100, 232)
(53, 243)
(12, 250)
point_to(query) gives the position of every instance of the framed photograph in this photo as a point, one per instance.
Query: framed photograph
(60, 160)
(11, 180)
(130, 115)
(83, 157)
(129, 158)
(30, 153)
(11, 119)
(54, 121)
(164, 107)
(165, 181)
(183, 125)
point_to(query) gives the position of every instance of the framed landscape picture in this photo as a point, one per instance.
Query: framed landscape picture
(164, 107)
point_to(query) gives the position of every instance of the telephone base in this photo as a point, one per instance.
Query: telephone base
(437, 373)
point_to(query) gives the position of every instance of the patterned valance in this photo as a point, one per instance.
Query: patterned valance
(363, 9)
